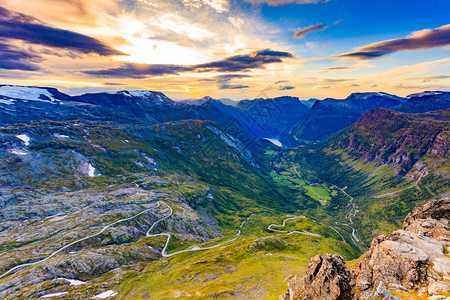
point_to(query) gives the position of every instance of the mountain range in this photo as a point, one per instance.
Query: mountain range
(132, 195)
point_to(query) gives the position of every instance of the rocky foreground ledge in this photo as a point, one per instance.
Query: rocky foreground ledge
(411, 263)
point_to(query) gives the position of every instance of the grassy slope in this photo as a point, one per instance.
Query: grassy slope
(383, 197)
(256, 265)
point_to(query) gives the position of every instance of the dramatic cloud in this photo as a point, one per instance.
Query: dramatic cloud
(13, 58)
(301, 33)
(19, 26)
(245, 62)
(254, 60)
(281, 2)
(419, 40)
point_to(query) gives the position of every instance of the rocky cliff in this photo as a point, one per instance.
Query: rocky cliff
(406, 141)
(410, 263)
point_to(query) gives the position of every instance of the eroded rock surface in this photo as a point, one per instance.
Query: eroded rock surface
(413, 260)
(410, 263)
(327, 277)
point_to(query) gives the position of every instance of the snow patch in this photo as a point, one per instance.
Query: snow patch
(426, 93)
(18, 152)
(57, 218)
(6, 101)
(141, 93)
(73, 281)
(387, 95)
(54, 295)
(106, 294)
(24, 138)
(27, 93)
(275, 142)
(91, 171)
(60, 136)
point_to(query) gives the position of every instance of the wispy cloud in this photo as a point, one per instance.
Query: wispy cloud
(430, 78)
(303, 31)
(327, 70)
(419, 40)
(219, 5)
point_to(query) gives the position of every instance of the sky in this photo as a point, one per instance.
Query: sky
(237, 49)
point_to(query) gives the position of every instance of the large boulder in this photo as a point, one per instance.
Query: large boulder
(327, 277)
(411, 261)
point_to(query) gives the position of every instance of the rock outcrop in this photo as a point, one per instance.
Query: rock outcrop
(410, 263)
(327, 277)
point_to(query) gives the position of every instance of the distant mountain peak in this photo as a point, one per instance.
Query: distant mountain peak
(368, 95)
(31, 93)
(427, 93)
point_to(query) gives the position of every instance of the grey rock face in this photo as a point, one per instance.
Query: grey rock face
(327, 277)
(412, 262)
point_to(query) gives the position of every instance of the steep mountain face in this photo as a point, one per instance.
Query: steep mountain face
(411, 263)
(262, 118)
(330, 115)
(272, 118)
(309, 103)
(426, 101)
(413, 143)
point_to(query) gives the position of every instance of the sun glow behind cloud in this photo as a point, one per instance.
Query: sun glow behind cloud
(180, 35)
(159, 52)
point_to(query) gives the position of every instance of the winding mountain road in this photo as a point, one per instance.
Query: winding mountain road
(192, 248)
(356, 239)
(75, 242)
(290, 232)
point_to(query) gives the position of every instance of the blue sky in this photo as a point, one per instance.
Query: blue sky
(227, 48)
